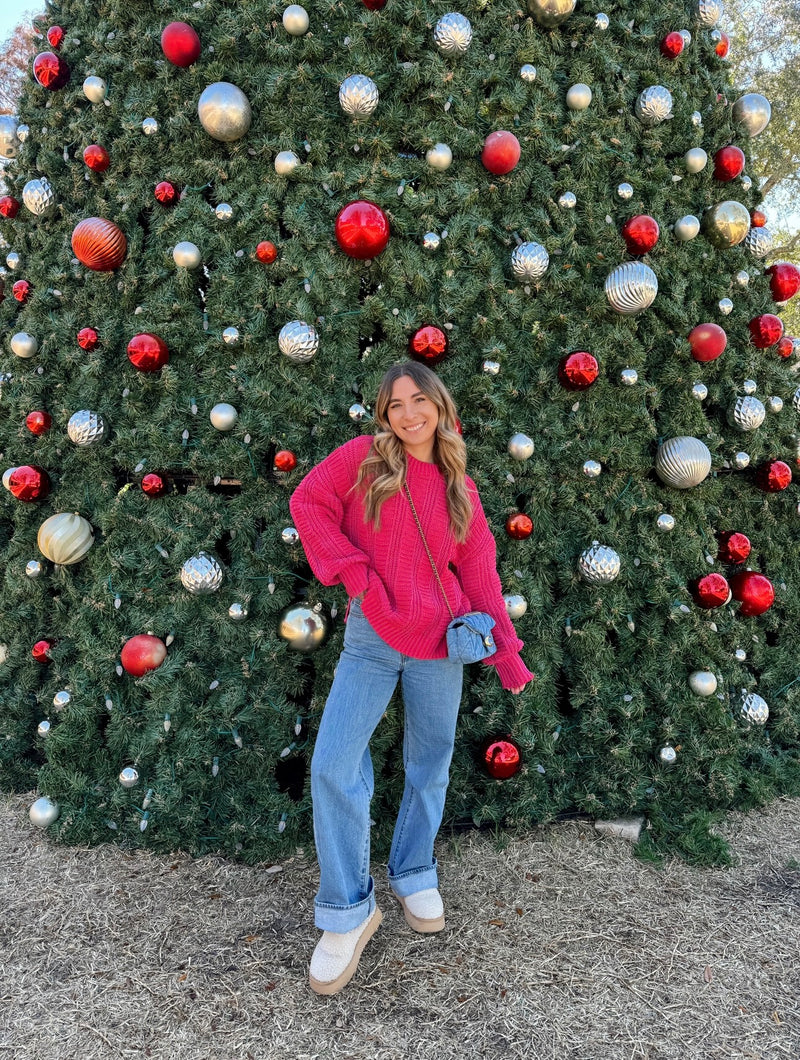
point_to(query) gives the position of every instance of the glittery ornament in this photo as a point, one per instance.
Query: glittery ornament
(298, 341)
(201, 574)
(654, 106)
(428, 344)
(599, 564)
(501, 758)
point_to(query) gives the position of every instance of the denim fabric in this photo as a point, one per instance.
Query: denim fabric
(342, 780)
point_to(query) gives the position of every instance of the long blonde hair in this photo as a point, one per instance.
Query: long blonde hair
(383, 470)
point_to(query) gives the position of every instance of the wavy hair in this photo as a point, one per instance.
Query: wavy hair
(383, 470)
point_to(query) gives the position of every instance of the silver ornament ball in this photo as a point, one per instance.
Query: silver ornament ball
(703, 682)
(23, 132)
(758, 242)
(683, 462)
(149, 126)
(62, 699)
(516, 605)
(43, 728)
(668, 756)
(687, 37)
(237, 612)
(774, 404)
(695, 159)
(43, 812)
(186, 255)
(567, 200)
(746, 414)
(431, 241)
(753, 709)
(529, 261)
(9, 139)
(592, 468)
(223, 416)
(24, 345)
(740, 655)
(752, 111)
(599, 564)
(295, 20)
(95, 89)
(224, 112)
(520, 447)
(625, 190)
(39, 197)
(33, 568)
(686, 228)
(230, 336)
(491, 367)
(631, 288)
(629, 377)
(653, 106)
(13, 259)
(742, 277)
(725, 306)
(201, 574)
(290, 536)
(579, 96)
(439, 156)
(726, 224)
(741, 460)
(601, 21)
(358, 413)
(452, 34)
(286, 162)
(665, 522)
(358, 96)
(85, 428)
(303, 627)
(699, 391)
(749, 386)
(746, 182)
(224, 212)
(298, 341)
(129, 777)
(527, 72)
(696, 119)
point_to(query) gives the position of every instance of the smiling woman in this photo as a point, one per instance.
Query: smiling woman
(413, 417)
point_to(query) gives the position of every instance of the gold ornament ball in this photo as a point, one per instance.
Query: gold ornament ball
(224, 111)
(549, 13)
(726, 224)
(65, 538)
(223, 416)
(303, 627)
(295, 20)
(43, 812)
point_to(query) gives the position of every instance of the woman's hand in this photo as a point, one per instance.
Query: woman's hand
(516, 691)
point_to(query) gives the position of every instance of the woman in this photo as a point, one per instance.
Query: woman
(357, 527)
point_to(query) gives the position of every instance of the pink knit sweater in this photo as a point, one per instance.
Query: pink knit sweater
(402, 601)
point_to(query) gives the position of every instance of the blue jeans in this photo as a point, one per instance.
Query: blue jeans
(342, 780)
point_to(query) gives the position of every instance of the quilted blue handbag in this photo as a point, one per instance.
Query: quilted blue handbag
(469, 636)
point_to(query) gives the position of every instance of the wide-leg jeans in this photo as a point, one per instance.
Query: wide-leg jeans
(342, 778)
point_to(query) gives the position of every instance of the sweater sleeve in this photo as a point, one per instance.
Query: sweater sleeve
(477, 572)
(318, 511)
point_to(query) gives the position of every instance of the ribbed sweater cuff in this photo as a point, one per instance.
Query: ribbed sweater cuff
(355, 578)
(511, 670)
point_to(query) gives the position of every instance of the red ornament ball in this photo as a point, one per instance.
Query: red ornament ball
(501, 152)
(428, 344)
(501, 758)
(773, 476)
(786, 345)
(142, 653)
(165, 193)
(9, 206)
(722, 47)
(96, 158)
(578, 370)
(88, 338)
(765, 330)
(147, 352)
(728, 163)
(50, 70)
(374, 5)
(519, 526)
(38, 422)
(41, 650)
(266, 252)
(180, 44)
(707, 341)
(784, 281)
(21, 291)
(712, 590)
(98, 244)
(758, 218)
(640, 233)
(459, 428)
(154, 484)
(754, 591)
(362, 229)
(55, 35)
(733, 547)
(284, 460)
(29, 483)
(672, 45)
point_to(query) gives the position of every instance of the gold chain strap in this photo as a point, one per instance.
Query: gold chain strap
(425, 543)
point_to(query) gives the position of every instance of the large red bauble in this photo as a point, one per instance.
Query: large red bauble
(758, 218)
(640, 233)
(29, 483)
(728, 163)
(41, 650)
(98, 244)
(165, 193)
(55, 35)
(21, 291)
(773, 476)
(88, 338)
(284, 460)
(784, 281)
(428, 344)
(38, 422)
(50, 70)
(501, 152)
(180, 44)
(578, 370)
(96, 158)
(374, 5)
(765, 330)
(712, 590)
(154, 484)
(519, 526)
(672, 45)
(501, 758)
(786, 345)
(362, 229)
(754, 591)
(733, 547)
(266, 252)
(147, 352)
(722, 47)
(142, 653)
(707, 341)
(9, 206)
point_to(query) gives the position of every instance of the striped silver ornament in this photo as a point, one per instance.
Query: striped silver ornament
(201, 574)
(452, 34)
(298, 341)
(746, 414)
(599, 564)
(358, 96)
(654, 105)
(683, 462)
(85, 427)
(631, 287)
(529, 261)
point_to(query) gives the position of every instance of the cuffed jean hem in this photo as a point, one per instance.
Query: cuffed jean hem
(343, 918)
(414, 880)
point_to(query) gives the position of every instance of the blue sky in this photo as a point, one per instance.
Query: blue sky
(12, 12)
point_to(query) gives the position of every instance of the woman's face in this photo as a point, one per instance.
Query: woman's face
(414, 418)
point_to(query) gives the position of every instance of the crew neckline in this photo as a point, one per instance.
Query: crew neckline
(421, 467)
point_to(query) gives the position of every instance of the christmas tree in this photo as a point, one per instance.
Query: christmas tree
(224, 222)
